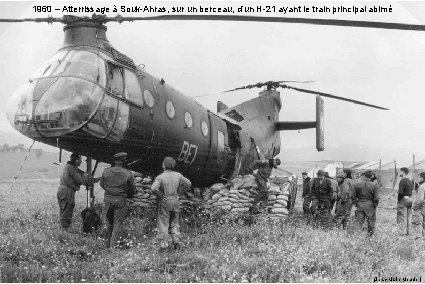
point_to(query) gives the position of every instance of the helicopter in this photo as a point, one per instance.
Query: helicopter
(92, 99)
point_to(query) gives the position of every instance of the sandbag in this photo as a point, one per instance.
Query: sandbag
(237, 182)
(272, 197)
(282, 202)
(279, 211)
(224, 191)
(233, 200)
(240, 210)
(223, 198)
(274, 189)
(217, 187)
(216, 196)
(232, 195)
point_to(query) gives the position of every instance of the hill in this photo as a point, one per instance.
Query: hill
(351, 153)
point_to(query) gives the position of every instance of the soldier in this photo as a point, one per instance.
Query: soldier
(322, 194)
(70, 181)
(344, 202)
(365, 198)
(118, 184)
(334, 185)
(166, 187)
(264, 170)
(306, 193)
(418, 202)
(404, 200)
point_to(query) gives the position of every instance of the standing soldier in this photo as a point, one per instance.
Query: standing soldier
(404, 203)
(264, 170)
(344, 202)
(418, 202)
(334, 185)
(70, 181)
(366, 199)
(118, 184)
(306, 193)
(166, 187)
(322, 194)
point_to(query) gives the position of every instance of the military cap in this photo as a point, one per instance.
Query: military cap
(422, 175)
(320, 173)
(405, 170)
(303, 173)
(169, 163)
(347, 171)
(122, 156)
(368, 173)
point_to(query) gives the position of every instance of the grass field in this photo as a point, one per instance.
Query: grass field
(32, 249)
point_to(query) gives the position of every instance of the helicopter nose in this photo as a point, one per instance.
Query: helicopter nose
(52, 107)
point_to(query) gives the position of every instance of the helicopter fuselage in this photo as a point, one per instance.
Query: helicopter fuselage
(90, 98)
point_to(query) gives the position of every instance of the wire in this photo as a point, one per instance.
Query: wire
(22, 164)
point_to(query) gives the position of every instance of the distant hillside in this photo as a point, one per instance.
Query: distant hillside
(346, 153)
(15, 138)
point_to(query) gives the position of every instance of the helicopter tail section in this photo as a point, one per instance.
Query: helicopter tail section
(318, 124)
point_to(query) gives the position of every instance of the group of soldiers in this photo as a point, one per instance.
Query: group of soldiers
(118, 184)
(321, 194)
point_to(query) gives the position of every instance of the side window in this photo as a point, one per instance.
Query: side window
(220, 144)
(133, 92)
(116, 81)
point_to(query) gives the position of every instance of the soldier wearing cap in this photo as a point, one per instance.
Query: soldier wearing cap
(344, 202)
(322, 194)
(335, 188)
(166, 187)
(118, 184)
(70, 181)
(306, 193)
(264, 171)
(365, 198)
(404, 203)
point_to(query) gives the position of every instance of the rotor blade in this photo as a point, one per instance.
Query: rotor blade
(234, 18)
(238, 18)
(332, 97)
(37, 20)
(259, 85)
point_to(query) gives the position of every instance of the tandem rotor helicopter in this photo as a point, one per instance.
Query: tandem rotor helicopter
(92, 99)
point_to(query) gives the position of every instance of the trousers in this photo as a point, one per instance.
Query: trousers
(66, 201)
(168, 220)
(365, 211)
(306, 204)
(262, 195)
(116, 212)
(404, 206)
(343, 212)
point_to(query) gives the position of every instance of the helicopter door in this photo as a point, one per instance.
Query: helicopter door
(139, 90)
(218, 157)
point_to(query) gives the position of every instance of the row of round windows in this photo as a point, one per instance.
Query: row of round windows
(171, 112)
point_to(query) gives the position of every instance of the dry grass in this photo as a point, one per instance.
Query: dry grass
(225, 249)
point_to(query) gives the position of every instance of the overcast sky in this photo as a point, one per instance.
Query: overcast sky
(377, 66)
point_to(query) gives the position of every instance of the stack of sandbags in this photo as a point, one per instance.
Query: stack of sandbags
(278, 199)
(143, 196)
(236, 196)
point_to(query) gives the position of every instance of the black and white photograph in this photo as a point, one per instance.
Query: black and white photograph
(212, 141)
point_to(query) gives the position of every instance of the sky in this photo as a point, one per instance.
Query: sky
(382, 67)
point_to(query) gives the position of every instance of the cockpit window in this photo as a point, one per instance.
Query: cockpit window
(116, 81)
(77, 63)
(50, 66)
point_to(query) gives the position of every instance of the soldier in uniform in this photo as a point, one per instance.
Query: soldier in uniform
(344, 200)
(365, 198)
(70, 181)
(166, 187)
(404, 203)
(306, 193)
(322, 195)
(118, 184)
(334, 185)
(264, 170)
